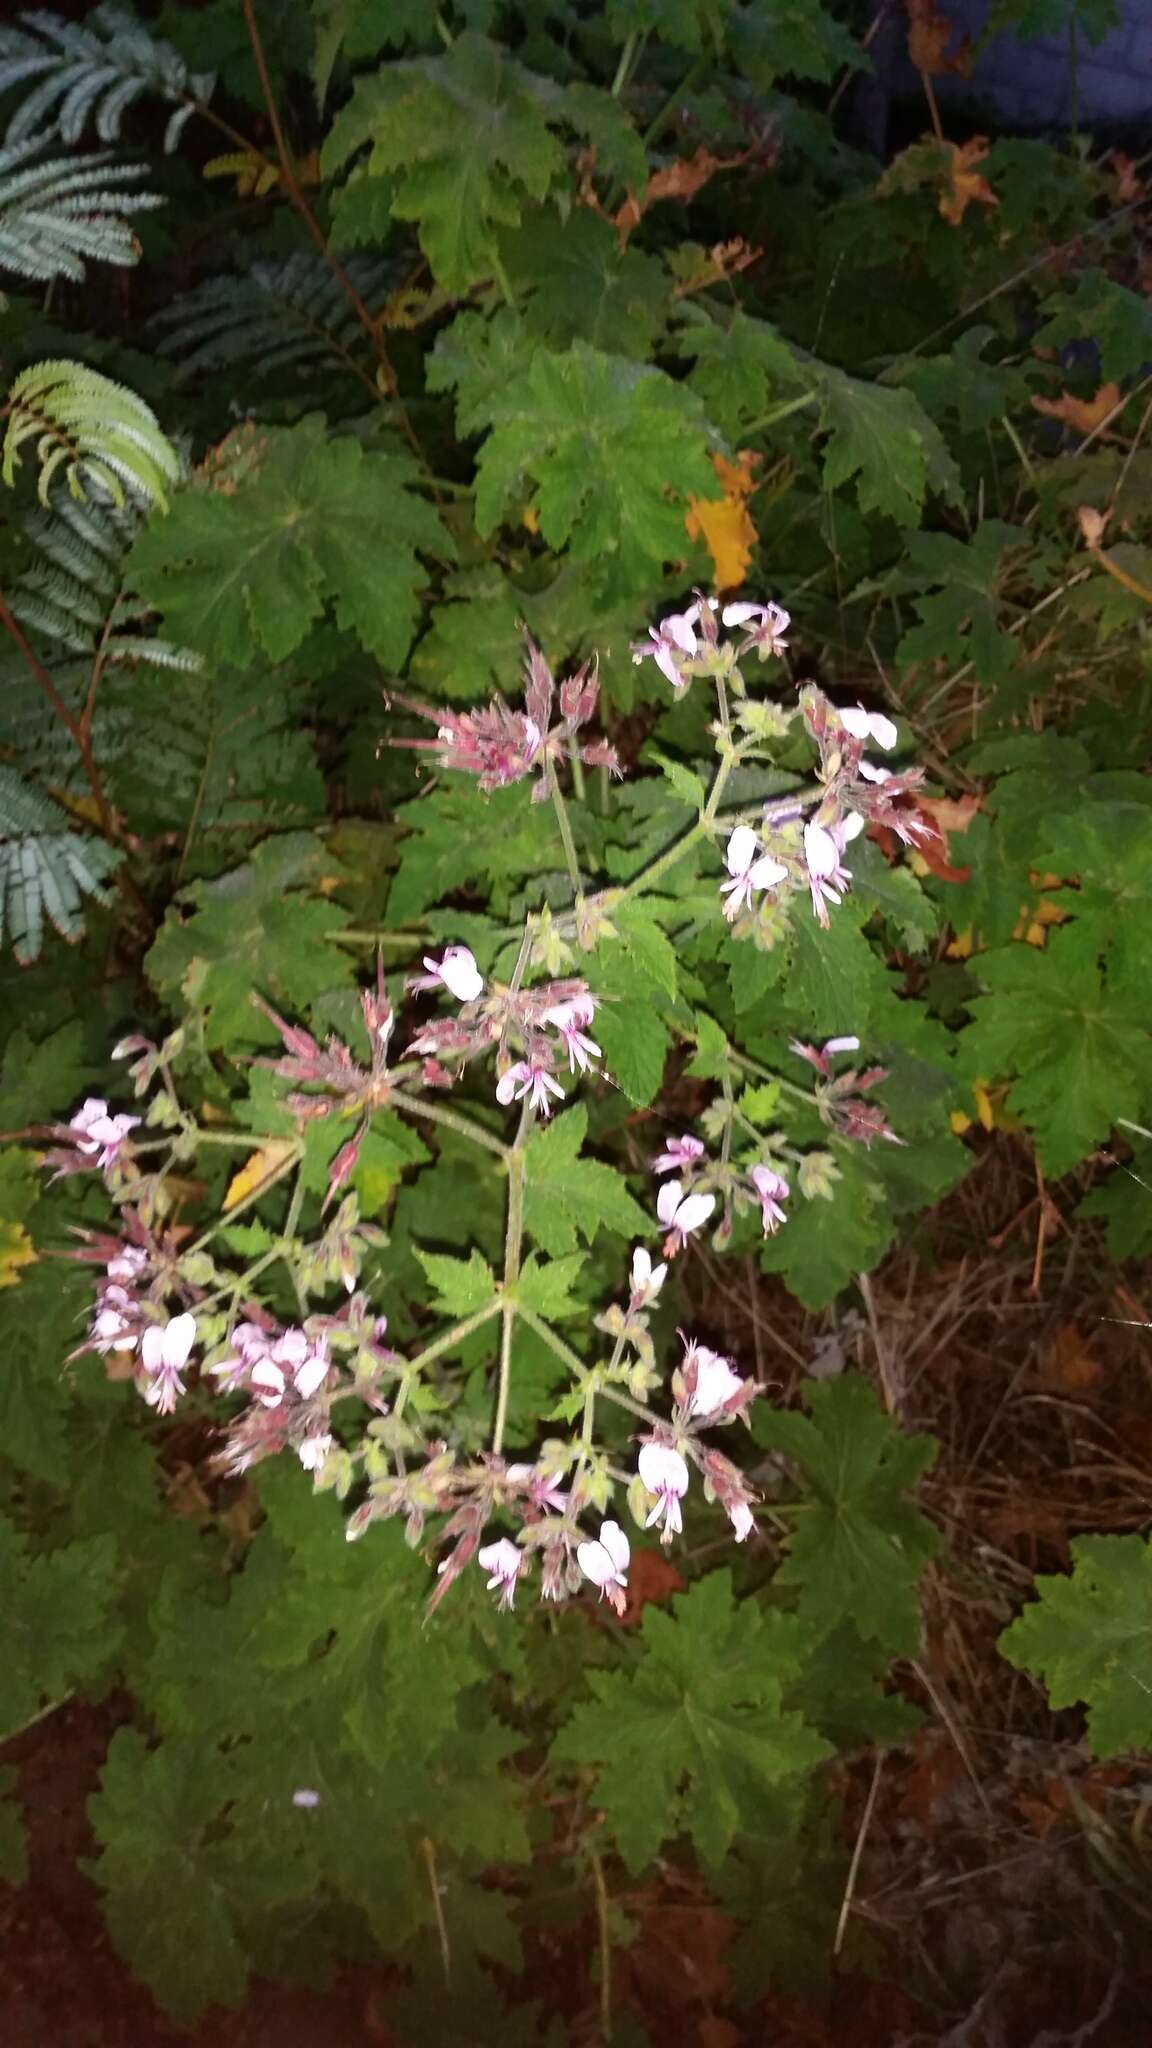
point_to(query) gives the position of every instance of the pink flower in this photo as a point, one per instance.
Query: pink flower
(681, 1214)
(457, 972)
(569, 1019)
(96, 1134)
(677, 1153)
(772, 1189)
(715, 1381)
(669, 643)
(665, 1474)
(869, 725)
(529, 1078)
(164, 1350)
(647, 1279)
(276, 1361)
(824, 854)
(821, 1057)
(605, 1563)
(543, 1491)
(749, 869)
(871, 774)
(505, 1561)
(771, 624)
(742, 1519)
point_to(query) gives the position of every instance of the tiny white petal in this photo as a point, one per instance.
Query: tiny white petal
(820, 850)
(460, 974)
(742, 850)
(616, 1543)
(767, 872)
(693, 1211)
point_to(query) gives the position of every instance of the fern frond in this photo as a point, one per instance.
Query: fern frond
(95, 71)
(290, 315)
(58, 215)
(95, 432)
(46, 869)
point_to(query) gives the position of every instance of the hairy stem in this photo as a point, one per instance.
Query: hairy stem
(75, 727)
(565, 824)
(452, 1120)
(513, 1245)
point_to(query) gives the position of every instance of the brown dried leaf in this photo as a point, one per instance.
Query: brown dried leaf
(1067, 1365)
(929, 34)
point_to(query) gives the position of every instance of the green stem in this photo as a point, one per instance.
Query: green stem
(605, 1943)
(564, 822)
(239, 1282)
(456, 1335)
(611, 899)
(780, 412)
(513, 1244)
(626, 1401)
(452, 1120)
(624, 66)
(669, 109)
(285, 1167)
(553, 1340)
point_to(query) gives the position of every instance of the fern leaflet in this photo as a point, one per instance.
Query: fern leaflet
(46, 869)
(94, 431)
(94, 70)
(59, 215)
(289, 315)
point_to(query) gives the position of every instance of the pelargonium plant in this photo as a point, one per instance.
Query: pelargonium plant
(372, 1423)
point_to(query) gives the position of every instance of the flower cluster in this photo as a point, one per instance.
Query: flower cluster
(684, 1208)
(529, 1029)
(498, 746)
(93, 1137)
(682, 644)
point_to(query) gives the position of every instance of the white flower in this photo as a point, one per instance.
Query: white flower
(647, 1279)
(569, 1020)
(869, 725)
(682, 1214)
(531, 1079)
(127, 1263)
(605, 1563)
(768, 623)
(306, 1797)
(824, 856)
(312, 1373)
(668, 644)
(543, 1490)
(742, 1519)
(164, 1350)
(749, 869)
(716, 1381)
(111, 1328)
(457, 972)
(772, 1189)
(96, 1134)
(313, 1451)
(505, 1561)
(664, 1473)
(871, 774)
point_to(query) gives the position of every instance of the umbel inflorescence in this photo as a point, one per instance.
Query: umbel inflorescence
(186, 1324)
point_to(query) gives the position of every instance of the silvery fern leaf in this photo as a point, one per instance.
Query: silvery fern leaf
(96, 433)
(58, 215)
(93, 71)
(46, 869)
(291, 315)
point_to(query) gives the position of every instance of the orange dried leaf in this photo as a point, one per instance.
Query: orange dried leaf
(679, 180)
(725, 524)
(1083, 414)
(966, 186)
(650, 1577)
(1092, 524)
(1067, 1365)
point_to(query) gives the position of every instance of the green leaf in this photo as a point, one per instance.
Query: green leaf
(895, 894)
(885, 441)
(961, 621)
(310, 519)
(468, 134)
(546, 1285)
(42, 1082)
(858, 1546)
(752, 972)
(826, 1244)
(1088, 1637)
(1080, 1048)
(1118, 323)
(685, 782)
(155, 1817)
(1124, 1199)
(635, 1043)
(253, 931)
(689, 1738)
(607, 451)
(567, 1197)
(42, 1325)
(580, 285)
(460, 1285)
(56, 1629)
(650, 951)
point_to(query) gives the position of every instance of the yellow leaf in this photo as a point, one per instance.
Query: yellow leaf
(725, 524)
(16, 1250)
(260, 1168)
(965, 184)
(962, 946)
(1084, 415)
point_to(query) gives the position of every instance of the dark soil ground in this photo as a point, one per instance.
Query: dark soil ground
(1002, 1893)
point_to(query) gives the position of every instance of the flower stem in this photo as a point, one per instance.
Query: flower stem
(452, 1120)
(513, 1243)
(447, 1339)
(285, 1167)
(564, 822)
(553, 1340)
